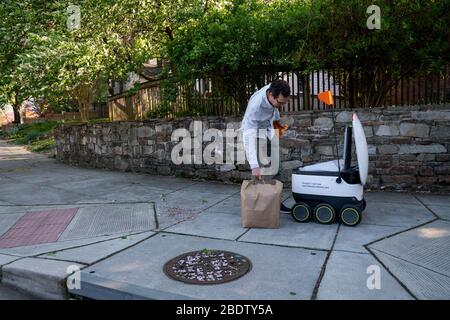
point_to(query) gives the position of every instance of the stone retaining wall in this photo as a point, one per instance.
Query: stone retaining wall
(409, 147)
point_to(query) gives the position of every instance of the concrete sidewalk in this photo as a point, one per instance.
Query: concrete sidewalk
(120, 245)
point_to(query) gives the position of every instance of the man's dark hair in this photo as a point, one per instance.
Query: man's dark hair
(280, 86)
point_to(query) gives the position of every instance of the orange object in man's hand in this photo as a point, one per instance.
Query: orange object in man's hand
(281, 128)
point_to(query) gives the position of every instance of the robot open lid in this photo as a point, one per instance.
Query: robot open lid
(327, 189)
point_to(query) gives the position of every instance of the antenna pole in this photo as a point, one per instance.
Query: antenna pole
(339, 179)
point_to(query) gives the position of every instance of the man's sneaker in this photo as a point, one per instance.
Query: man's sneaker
(284, 209)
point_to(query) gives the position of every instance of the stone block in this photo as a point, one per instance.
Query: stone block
(401, 140)
(145, 132)
(160, 154)
(388, 149)
(325, 150)
(414, 149)
(430, 115)
(164, 170)
(120, 163)
(226, 167)
(402, 170)
(426, 180)
(372, 150)
(323, 123)
(383, 164)
(368, 131)
(426, 171)
(442, 170)
(399, 179)
(440, 132)
(384, 130)
(407, 157)
(414, 130)
(344, 116)
(367, 116)
(147, 150)
(303, 123)
(443, 157)
(426, 157)
(289, 120)
(289, 165)
(294, 143)
(444, 180)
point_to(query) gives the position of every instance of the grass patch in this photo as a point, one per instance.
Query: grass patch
(38, 136)
(43, 144)
(99, 120)
(90, 121)
(26, 133)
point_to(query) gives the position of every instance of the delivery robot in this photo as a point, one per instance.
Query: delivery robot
(331, 189)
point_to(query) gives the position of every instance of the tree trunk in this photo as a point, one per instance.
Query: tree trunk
(84, 110)
(373, 88)
(84, 95)
(16, 108)
(17, 117)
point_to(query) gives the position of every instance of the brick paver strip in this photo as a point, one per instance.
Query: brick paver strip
(38, 227)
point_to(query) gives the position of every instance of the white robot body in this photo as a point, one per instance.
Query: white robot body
(330, 188)
(325, 185)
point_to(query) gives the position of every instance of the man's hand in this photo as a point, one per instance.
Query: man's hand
(281, 128)
(257, 173)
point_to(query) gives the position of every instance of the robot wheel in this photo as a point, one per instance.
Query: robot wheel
(301, 212)
(324, 213)
(350, 215)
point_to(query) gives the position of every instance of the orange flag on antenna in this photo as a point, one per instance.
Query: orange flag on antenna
(326, 97)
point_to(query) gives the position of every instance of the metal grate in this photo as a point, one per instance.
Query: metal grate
(207, 267)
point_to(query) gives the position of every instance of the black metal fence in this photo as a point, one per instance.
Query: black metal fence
(206, 96)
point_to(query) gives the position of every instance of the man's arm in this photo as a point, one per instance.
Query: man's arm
(250, 147)
(276, 115)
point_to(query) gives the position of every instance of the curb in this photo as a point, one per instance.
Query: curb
(39, 278)
(98, 288)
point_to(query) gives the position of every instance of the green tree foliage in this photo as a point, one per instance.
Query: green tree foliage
(42, 57)
(414, 38)
(19, 20)
(233, 42)
(238, 43)
(74, 63)
(246, 39)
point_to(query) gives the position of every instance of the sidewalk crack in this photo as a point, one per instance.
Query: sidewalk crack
(324, 267)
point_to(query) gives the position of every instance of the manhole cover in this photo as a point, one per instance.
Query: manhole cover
(207, 267)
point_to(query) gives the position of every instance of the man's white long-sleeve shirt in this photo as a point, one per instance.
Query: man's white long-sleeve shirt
(257, 123)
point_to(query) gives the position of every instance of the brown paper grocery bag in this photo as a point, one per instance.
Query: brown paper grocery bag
(260, 203)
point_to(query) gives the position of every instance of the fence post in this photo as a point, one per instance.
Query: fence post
(351, 89)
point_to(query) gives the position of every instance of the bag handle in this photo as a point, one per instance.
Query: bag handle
(254, 180)
(262, 180)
